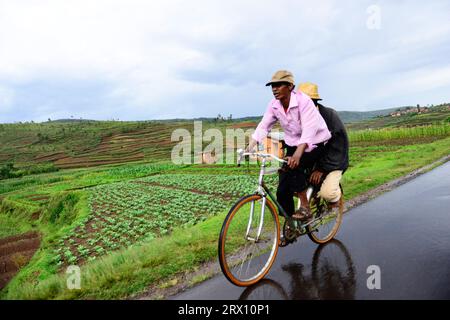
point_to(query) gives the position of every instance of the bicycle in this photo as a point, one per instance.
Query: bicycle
(250, 234)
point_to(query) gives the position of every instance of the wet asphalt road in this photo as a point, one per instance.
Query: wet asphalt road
(405, 233)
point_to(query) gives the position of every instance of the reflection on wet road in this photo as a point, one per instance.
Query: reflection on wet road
(404, 234)
(332, 276)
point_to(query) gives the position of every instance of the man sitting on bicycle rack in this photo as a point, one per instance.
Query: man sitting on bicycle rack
(333, 163)
(305, 135)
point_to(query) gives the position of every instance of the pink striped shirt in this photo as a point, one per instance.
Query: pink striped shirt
(302, 122)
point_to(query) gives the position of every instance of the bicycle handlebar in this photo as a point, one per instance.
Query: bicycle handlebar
(241, 154)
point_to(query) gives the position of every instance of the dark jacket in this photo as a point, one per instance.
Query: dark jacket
(336, 149)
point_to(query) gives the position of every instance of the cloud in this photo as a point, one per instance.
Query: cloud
(417, 82)
(146, 59)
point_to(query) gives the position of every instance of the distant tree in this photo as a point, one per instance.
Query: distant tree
(49, 120)
(418, 107)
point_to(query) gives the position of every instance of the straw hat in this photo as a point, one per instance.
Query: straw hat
(282, 76)
(311, 89)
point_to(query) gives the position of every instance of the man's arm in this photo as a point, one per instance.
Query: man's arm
(263, 128)
(309, 117)
(294, 161)
(251, 145)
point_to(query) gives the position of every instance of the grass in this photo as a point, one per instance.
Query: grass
(380, 167)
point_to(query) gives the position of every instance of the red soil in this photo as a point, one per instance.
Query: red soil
(244, 125)
(16, 252)
(51, 157)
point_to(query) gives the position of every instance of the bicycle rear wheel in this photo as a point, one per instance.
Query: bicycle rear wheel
(327, 220)
(248, 242)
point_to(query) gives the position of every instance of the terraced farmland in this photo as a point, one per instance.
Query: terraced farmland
(69, 145)
(125, 213)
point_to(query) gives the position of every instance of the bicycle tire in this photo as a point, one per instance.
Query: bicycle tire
(318, 236)
(236, 251)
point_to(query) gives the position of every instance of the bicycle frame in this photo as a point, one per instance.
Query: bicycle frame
(264, 191)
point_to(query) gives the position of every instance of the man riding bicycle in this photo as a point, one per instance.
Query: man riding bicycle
(305, 136)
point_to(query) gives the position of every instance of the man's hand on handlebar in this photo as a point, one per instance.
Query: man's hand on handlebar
(251, 146)
(294, 160)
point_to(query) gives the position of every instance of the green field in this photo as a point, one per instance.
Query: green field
(131, 224)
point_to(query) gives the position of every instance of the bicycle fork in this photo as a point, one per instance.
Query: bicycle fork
(261, 220)
(252, 208)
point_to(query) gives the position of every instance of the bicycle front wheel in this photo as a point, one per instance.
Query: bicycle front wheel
(248, 242)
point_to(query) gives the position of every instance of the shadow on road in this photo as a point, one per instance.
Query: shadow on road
(330, 276)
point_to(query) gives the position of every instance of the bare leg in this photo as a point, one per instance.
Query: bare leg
(304, 199)
(304, 213)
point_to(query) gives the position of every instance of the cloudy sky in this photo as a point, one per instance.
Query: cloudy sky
(142, 60)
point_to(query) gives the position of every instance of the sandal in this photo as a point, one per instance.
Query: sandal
(302, 214)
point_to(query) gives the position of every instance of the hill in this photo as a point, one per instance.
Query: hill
(405, 117)
(355, 116)
(62, 144)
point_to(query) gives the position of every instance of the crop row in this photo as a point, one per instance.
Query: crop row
(399, 133)
(219, 185)
(125, 213)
